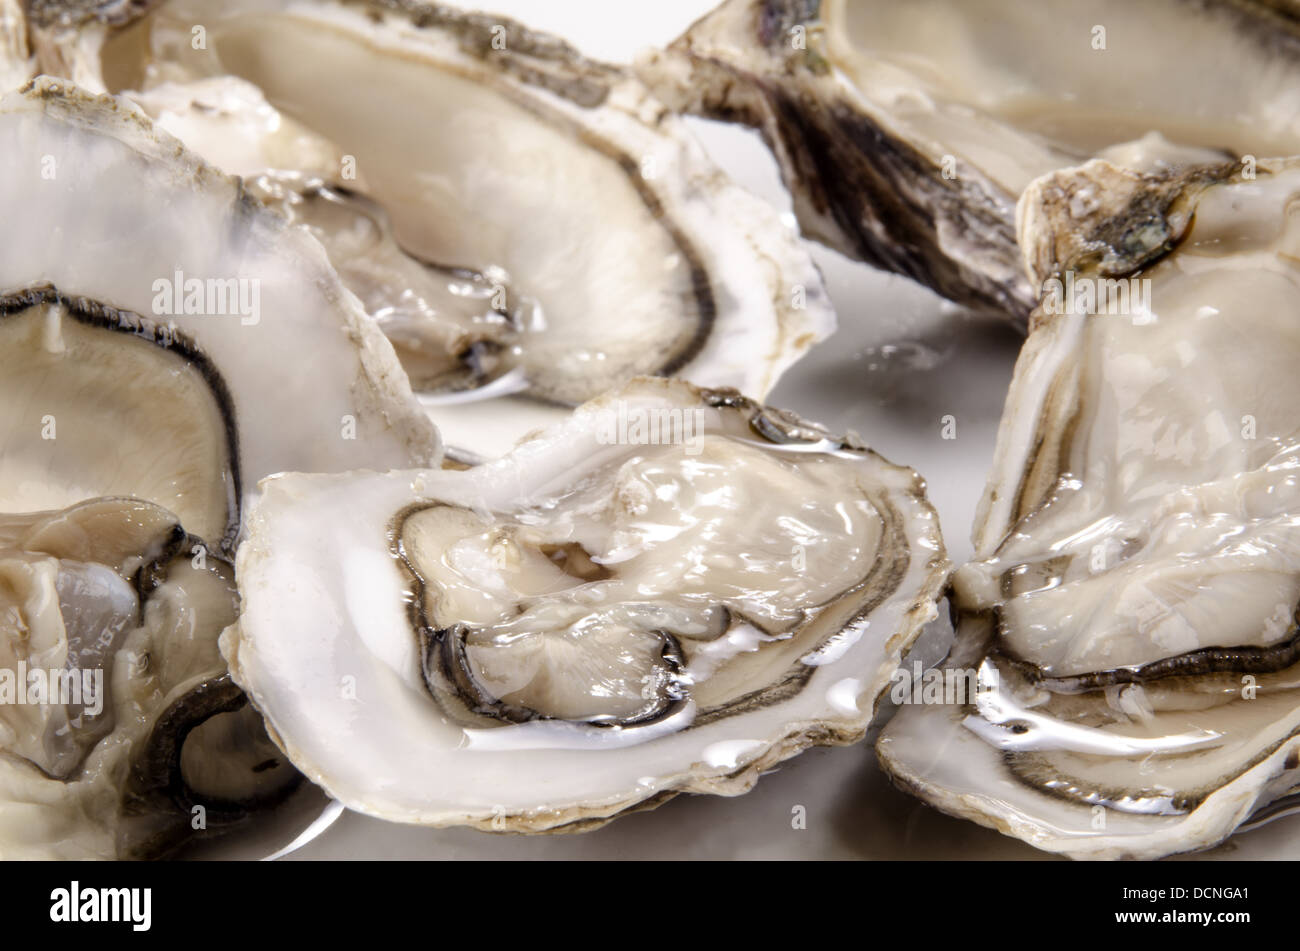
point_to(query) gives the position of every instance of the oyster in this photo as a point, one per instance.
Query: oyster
(454, 329)
(672, 591)
(906, 132)
(1132, 609)
(165, 342)
(201, 309)
(123, 734)
(599, 245)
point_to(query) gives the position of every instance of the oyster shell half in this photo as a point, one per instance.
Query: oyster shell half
(671, 591)
(239, 345)
(907, 131)
(619, 249)
(1132, 612)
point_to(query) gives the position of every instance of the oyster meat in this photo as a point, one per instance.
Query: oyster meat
(907, 131)
(671, 591)
(1132, 609)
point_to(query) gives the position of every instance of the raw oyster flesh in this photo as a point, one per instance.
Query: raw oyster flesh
(1132, 609)
(671, 591)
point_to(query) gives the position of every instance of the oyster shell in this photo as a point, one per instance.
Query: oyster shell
(141, 400)
(671, 591)
(17, 65)
(1132, 609)
(67, 37)
(209, 301)
(908, 131)
(621, 248)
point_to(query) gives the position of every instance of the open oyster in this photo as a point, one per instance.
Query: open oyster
(907, 131)
(672, 591)
(206, 310)
(1132, 612)
(593, 243)
(165, 342)
(122, 731)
